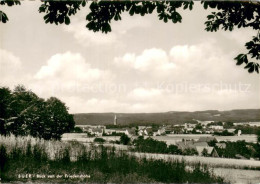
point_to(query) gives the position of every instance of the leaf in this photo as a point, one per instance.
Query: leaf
(191, 4)
(205, 5)
(185, 6)
(3, 17)
(83, 3)
(241, 58)
(256, 68)
(42, 8)
(251, 70)
(46, 17)
(67, 20)
(249, 65)
(210, 16)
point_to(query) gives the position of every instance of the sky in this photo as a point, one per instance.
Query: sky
(143, 65)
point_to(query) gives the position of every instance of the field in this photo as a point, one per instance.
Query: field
(26, 159)
(229, 169)
(170, 139)
(238, 176)
(210, 161)
(233, 170)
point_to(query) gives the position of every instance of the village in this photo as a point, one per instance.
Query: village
(202, 138)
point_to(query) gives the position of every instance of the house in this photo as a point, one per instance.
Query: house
(149, 131)
(130, 132)
(198, 146)
(189, 129)
(231, 130)
(207, 139)
(216, 127)
(88, 128)
(118, 131)
(169, 130)
(190, 144)
(199, 131)
(211, 151)
(221, 145)
(161, 131)
(141, 133)
(97, 131)
(239, 132)
(141, 127)
(185, 144)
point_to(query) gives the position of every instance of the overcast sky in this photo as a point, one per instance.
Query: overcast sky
(143, 65)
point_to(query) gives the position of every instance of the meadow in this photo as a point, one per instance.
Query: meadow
(169, 139)
(27, 159)
(232, 170)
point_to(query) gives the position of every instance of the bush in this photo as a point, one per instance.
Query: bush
(150, 145)
(99, 140)
(124, 139)
(173, 149)
(3, 158)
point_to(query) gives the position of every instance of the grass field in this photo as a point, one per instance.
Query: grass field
(210, 161)
(233, 170)
(170, 139)
(26, 159)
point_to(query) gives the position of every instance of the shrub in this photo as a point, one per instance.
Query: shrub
(99, 140)
(124, 139)
(3, 158)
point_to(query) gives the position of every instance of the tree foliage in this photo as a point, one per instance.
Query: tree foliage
(233, 149)
(124, 139)
(24, 113)
(228, 15)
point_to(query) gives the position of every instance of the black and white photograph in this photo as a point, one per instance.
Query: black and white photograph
(122, 91)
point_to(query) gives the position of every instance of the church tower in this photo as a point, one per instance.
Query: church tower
(115, 120)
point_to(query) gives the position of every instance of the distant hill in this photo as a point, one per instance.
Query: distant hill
(171, 117)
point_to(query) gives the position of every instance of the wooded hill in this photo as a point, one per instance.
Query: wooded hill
(172, 117)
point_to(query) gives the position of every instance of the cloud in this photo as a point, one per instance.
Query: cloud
(8, 62)
(142, 94)
(86, 37)
(10, 68)
(70, 66)
(94, 104)
(152, 60)
(128, 23)
(240, 36)
(203, 62)
(68, 74)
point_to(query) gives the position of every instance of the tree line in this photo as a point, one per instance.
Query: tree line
(22, 112)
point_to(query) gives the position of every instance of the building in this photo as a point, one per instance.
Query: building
(239, 132)
(97, 131)
(211, 151)
(231, 130)
(221, 145)
(115, 130)
(160, 131)
(207, 139)
(216, 127)
(130, 132)
(88, 128)
(115, 120)
(198, 146)
(149, 132)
